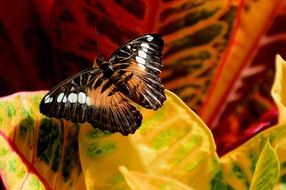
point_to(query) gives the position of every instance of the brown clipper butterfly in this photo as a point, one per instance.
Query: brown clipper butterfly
(103, 95)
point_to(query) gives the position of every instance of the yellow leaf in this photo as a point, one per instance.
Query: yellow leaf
(175, 142)
(279, 88)
(101, 154)
(171, 143)
(140, 181)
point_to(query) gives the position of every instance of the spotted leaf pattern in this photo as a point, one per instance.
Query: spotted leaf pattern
(42, 152)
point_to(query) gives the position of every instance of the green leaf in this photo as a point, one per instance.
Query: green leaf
(267, 169)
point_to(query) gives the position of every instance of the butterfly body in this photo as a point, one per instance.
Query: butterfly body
(107, 69)
(104, 95)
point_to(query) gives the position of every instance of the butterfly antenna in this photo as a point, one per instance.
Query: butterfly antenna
(97, 46)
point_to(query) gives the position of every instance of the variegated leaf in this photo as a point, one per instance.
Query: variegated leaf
(42, 151)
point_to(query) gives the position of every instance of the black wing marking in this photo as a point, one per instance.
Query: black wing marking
(88, 96)
(137, 66)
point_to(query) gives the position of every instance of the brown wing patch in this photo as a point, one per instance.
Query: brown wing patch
(141, 87)
(110, 110)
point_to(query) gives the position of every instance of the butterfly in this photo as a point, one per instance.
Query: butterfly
(106, 95)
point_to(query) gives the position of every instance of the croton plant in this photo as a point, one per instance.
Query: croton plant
(222, 126)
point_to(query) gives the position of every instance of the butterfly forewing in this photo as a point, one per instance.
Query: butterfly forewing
(88, 96)
(69, 97)
(138, 64)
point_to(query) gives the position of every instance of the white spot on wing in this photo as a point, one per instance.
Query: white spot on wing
(129, 46)
(145, 45)
(142, 54)
(149, 38)
(81, 98)
(145, 49)
(88, 102)
(60, 97)
(48, 99)
(72, 98)
(65, 99)
(140, 60)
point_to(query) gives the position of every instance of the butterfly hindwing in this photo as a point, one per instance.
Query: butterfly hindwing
(112, 111)
(88, 96)
(138, 64)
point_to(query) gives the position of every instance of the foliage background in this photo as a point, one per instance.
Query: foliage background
(218, 57)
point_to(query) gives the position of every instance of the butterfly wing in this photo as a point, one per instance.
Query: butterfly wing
(137, 65)
(88, 96)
